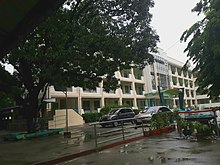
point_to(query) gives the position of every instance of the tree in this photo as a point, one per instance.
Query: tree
(204, 47)
(5, 101)
(81, 45)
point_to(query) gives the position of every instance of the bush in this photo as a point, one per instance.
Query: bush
(159, 120)
(107, 108)
(91, 117)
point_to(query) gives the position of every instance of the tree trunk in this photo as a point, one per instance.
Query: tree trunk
(32, 112)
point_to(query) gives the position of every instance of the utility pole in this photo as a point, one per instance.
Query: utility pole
(67, 134)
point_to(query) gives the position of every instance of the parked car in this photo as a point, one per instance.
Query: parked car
(116, 114)
(145, 115)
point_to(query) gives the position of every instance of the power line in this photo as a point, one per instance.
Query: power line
(172, 45)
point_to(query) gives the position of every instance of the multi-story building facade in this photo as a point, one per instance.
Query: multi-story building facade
(131, 92)
(184, 80)
(157, 78)
(138, 88)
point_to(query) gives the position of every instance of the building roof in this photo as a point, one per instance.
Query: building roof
(19, 17)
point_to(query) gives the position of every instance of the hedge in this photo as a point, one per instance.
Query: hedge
(91, 117)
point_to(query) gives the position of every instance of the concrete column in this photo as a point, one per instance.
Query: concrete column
(102, 95)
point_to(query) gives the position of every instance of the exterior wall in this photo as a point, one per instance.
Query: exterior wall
(157, 77)
(133, 88)
(180, 79)
(135, 84)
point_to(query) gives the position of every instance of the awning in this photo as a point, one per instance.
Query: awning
(174, 91)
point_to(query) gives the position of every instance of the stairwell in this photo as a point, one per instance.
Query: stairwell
(59, 119)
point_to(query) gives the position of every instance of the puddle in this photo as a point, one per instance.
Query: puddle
(182, 159)
(199, 151)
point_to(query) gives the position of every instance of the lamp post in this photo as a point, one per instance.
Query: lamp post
(67, 134)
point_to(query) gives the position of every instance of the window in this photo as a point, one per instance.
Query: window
(125, 73)
(185, 73)
(127, 102)
(122, 111)
(139, 90)
(190, 84)
(127, 89)
(173, 69)
(189, 74)
(187, 93)
(192, 93)
(138, 73)
(174, 80)
(179, 71)
(164, 109)
(181, 81)
(96, 104)
(86, 105)
(128, 110)
(186, 83)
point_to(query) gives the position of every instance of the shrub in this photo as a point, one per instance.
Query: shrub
(159, 120)
(202, 128)
(91, 117)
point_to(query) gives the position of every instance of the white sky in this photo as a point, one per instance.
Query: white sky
(170, 19)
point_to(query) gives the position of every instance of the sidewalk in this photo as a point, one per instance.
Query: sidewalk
(80, 149)
(42, 149)
(52, 149)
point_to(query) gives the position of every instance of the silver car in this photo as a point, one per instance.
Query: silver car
(145, 115)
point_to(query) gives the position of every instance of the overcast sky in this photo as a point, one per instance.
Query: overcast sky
(170, 19)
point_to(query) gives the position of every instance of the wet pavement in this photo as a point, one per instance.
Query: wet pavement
(163, 149)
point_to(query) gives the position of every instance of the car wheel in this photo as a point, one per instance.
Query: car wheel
(115, 124)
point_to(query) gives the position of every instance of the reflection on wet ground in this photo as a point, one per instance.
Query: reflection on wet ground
(164, 149)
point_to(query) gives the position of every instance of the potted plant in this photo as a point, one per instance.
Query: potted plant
(159, 123)
(203, 130)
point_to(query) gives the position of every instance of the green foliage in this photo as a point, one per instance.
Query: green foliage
(202, 129)
(91, 117)
(105, 110)
(81, 46)
(77, 46)
(203, 48)
(5, 101)
(159, 120)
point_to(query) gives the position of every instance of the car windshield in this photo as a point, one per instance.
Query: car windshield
(112, 111)
(144, 111)
(150, 110)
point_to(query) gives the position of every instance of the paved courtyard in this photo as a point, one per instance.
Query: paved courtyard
(163, 149)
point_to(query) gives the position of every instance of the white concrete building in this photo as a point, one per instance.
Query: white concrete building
(135, 84)
(133, 88)
(138, 88)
